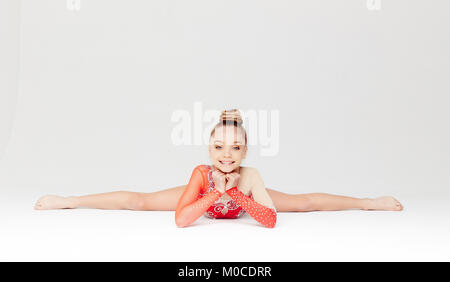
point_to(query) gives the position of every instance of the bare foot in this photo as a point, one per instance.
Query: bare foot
(386, 203)
(51, 202)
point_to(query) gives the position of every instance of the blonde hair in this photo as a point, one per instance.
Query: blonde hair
(230, 117)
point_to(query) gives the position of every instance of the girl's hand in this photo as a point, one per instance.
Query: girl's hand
(219, 180)
(232, 180)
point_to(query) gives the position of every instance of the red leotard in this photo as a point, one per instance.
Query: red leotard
(201, 197)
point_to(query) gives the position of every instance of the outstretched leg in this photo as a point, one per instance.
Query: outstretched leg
(327, 202)
(164, 200)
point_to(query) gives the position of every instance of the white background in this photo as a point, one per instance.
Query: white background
(86, 99)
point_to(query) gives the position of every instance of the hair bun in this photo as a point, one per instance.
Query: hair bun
(231, 115)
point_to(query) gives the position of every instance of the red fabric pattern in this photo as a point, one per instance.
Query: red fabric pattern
(201, 197)
(221, 208)
(190, 207)
(264, 215)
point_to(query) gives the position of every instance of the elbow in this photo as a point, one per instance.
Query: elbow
(180, 224)
(272, 220)
(180, 221)
(271, 225)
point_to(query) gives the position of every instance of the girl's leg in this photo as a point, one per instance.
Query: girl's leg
(166, 200)
(327, 202)
(161, 200)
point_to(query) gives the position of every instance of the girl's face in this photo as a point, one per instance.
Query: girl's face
(227, 148)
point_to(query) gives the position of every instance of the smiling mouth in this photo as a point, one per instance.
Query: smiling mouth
(226, 162)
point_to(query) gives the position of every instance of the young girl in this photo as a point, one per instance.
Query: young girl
(224, 189)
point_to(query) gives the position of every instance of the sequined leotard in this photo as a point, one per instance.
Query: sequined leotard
(201, 197)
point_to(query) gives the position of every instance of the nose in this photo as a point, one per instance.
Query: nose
(227, 152)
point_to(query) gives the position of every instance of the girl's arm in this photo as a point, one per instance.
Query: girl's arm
(261, 208)
(189, 209)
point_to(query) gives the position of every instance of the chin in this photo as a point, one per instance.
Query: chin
(226, 169)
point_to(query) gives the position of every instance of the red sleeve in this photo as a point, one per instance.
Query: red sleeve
(189, 207)
(264, 215)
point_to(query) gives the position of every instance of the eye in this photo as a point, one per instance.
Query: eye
(218, 147)
(236, 147)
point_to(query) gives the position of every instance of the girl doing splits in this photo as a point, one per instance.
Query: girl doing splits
(223, 189)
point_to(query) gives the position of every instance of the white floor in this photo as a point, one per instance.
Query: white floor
(419, 233)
